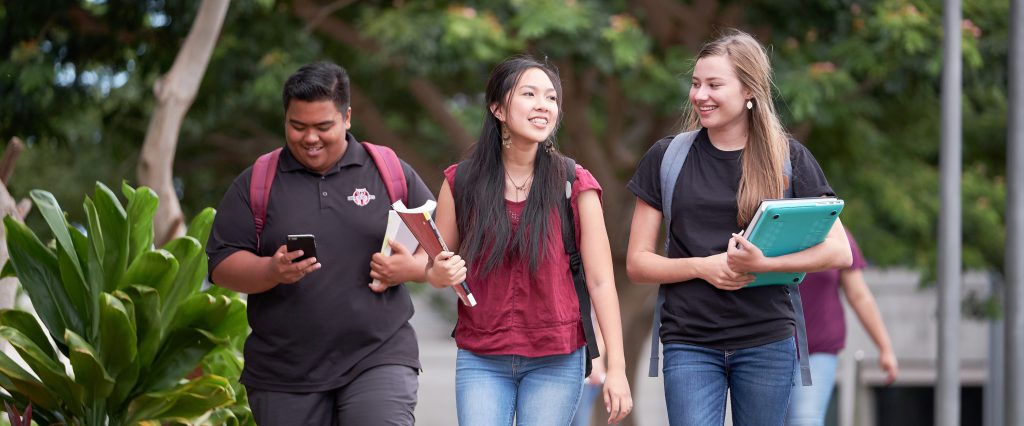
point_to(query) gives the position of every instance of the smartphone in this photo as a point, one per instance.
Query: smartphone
(304, 242)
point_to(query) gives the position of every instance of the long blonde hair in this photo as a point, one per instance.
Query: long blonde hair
(767, 141)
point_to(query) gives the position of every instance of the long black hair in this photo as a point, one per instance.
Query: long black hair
(484, 225)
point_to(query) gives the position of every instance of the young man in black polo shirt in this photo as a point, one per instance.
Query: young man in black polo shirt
(326, 348)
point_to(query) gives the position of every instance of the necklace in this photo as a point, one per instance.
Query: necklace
(518, 187)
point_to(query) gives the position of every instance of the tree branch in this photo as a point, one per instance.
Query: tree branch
(676, 23)
(661, 18)
(324, 12)
(425, 92)
(575, 115)
(11, 153)
(370, 119)
(175, 92)
(616, 107)
(433, 101)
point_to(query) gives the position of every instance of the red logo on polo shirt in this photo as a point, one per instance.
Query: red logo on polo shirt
(361, 197)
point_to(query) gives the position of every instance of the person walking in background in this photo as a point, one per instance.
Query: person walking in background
(719, 337)
(826, 335)
(327, 347)
(521, 354)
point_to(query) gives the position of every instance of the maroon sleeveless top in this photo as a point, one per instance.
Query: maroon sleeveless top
(517, 314)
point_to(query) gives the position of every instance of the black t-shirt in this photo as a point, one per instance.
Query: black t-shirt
(703, 217)
(321, 332)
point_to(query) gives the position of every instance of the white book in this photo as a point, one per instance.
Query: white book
(397, 230)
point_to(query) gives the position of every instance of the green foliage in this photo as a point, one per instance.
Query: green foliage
(868, 88)
(857, 82)
(129, 318)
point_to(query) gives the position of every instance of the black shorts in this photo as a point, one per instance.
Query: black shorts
(383, 395)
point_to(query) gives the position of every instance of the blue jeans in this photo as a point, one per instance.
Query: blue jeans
(590, 394)
(808, 405)
(496, 390)
(760, 380)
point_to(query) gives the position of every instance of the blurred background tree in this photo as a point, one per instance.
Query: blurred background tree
(858, 83)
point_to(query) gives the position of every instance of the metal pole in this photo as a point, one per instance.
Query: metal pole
(995, 379)
(947, 395)
(1014, 320)
(848, 385)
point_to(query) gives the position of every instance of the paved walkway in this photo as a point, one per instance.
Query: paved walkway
(436, 405)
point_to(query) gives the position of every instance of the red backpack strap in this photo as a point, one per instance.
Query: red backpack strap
(263, 172)
(390, 171)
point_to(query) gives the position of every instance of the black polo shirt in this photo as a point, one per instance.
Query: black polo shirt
(321, 332)
(703, 219)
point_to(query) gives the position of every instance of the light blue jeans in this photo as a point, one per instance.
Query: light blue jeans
(760, 380)
(808, 405)
(496, 390)
(590, 396)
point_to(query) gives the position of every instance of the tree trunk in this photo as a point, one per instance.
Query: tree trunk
(174, 93)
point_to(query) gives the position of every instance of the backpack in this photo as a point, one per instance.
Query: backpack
(265, 168)
(579, 278)
(671, 166)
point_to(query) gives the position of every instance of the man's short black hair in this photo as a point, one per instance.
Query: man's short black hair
(318, 81)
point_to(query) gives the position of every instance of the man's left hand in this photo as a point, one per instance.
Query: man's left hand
(398, 268)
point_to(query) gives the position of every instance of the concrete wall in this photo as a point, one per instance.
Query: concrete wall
(910, 315)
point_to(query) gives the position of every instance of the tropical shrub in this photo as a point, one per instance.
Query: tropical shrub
(121, 324)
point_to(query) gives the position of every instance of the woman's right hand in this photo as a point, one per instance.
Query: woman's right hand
(715, 270)
(447, 270)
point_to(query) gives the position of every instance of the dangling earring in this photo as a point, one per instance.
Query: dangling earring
(549, 147)
(750, 104)
(506, 137)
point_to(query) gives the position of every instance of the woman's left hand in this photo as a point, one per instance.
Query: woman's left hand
(887, 361)
(617, 400)
(744, 257)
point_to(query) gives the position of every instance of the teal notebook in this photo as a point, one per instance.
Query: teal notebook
(787, 226)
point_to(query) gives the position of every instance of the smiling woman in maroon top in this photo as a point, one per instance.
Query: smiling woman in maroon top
(521, 349)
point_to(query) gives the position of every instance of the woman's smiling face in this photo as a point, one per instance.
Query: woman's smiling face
(716, 93)
(531, 109)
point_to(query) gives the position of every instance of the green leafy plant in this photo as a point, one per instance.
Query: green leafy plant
(121, 324)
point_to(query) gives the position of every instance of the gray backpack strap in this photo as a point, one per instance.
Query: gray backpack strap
(801, 335)
(787, 169)
(794, 297)
(671, 166)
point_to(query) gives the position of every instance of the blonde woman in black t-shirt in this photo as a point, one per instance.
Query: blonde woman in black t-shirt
(721, 338)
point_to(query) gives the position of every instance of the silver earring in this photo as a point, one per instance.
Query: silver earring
(750, 104)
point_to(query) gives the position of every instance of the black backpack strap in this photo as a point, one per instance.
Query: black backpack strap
(579, 278)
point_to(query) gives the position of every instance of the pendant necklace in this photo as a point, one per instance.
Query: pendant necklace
(518, 187)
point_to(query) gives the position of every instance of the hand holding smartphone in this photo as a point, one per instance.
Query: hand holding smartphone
(304, 242)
